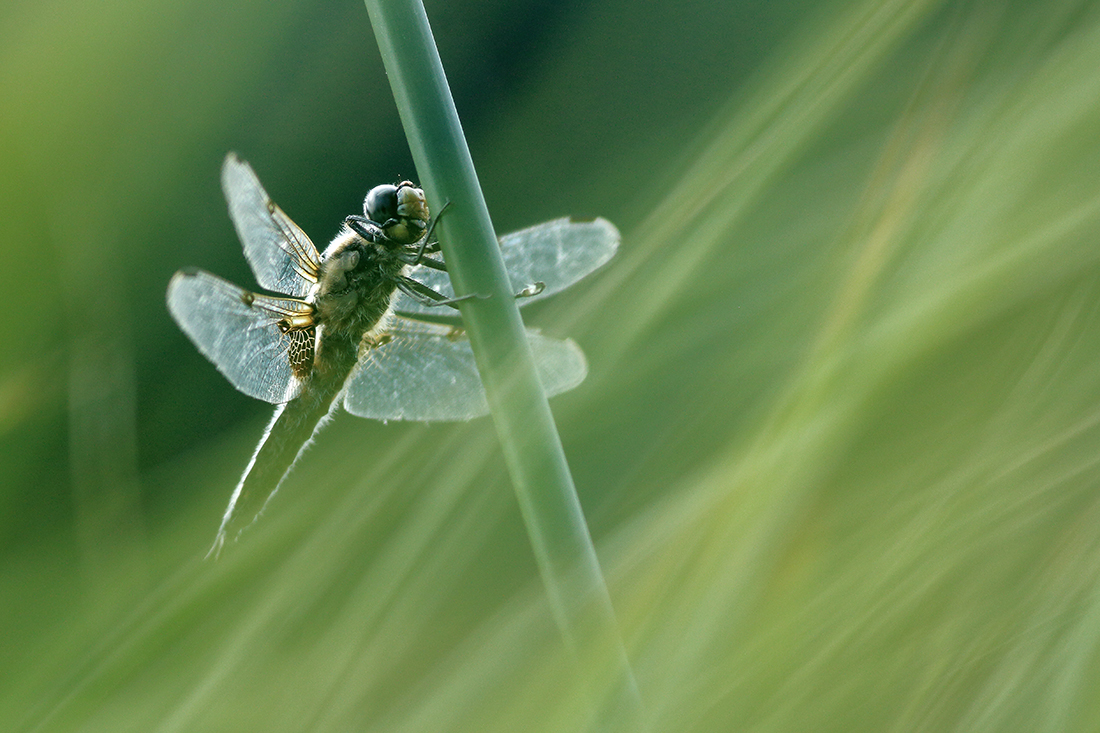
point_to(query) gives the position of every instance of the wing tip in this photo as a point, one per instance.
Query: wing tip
(608, 232)
(612, 234)
(178, 279)
(233, 171)
(231, 161)
(581, 372)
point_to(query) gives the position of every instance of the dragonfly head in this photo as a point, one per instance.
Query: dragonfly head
(400, 210)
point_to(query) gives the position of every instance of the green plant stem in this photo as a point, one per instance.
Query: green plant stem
(532, 449)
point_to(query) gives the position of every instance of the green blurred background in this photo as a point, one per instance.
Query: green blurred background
(838, 447)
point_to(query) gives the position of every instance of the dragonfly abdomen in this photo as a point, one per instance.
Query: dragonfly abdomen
(285, 439)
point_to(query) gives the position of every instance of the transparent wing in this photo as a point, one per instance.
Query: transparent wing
(282, 257)
(426, 373)
(240, 333)
(558, 253)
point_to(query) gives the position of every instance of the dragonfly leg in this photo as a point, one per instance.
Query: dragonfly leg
(365, 228)
(431, 228)
(424, 295)
(415, 256)
(415, 259)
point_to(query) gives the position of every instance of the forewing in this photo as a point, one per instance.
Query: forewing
(282, 257)
(558, 253)
(426, 373)
(240, 333)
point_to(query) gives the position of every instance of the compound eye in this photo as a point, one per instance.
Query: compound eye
(381, 203)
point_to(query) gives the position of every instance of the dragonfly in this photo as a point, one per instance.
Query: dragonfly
(361, 324)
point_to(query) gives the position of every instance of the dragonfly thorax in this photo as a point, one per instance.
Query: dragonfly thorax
(357, 282)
